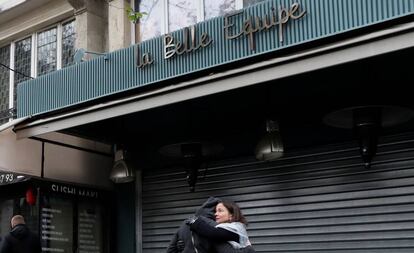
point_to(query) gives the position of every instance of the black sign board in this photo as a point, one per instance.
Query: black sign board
(90, 228)
(7, 178)
(56, 224)
(72, 190)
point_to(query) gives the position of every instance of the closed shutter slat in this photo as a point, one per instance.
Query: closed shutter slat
(320, 200)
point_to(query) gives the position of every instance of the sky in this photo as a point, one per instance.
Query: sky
(7, 4)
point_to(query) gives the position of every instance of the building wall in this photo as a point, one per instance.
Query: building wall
(91, 25)
(72, 165)
(80, 161)
(24, 156)
(119, 27)
(28, 20)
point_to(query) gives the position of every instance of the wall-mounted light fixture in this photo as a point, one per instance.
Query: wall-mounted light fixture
(192, 154)
(122, 170)
(80, 53)
(270, 147)
(367, 122)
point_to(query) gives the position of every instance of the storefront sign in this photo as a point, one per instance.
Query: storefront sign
(73, 190)
(192, 42)
(6, 178)
(252, 25)
(10, 178)
(189, 44)
(144, 60)
(172, 46)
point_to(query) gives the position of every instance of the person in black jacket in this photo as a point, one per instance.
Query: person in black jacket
(185, 241)
(20, 239)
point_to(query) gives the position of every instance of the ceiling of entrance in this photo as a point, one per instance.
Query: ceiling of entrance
(236, 119)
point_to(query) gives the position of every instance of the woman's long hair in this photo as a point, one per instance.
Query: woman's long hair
(235, 211)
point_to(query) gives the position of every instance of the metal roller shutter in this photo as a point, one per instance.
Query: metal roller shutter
(319, 201)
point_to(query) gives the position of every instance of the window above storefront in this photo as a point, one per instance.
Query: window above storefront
(32, 56)
(167, 16)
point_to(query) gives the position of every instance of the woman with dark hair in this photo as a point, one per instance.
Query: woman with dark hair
(230, 228)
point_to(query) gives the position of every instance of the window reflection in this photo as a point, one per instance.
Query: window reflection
(46, 51)
(68, 43)
(22, 63)
(4, 82)
(251, 2)
(181, 13)
(215, 8)
(150, 24)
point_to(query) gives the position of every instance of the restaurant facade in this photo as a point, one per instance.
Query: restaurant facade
(299, 111)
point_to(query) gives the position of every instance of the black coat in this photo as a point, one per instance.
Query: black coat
(20, 240)
(186, 237)
(218, 237)
(227, 248)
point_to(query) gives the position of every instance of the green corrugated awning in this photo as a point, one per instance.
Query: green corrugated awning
(381, 42)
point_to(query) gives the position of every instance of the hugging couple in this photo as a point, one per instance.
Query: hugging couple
(217, 227)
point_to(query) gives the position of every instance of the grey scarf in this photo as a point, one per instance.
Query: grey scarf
(238, 228)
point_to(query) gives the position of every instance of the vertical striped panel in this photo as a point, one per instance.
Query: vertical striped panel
(316, 201)
(99, 77)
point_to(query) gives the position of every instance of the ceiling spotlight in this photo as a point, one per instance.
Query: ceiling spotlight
(122, 171)
(367, 122)
(367, 127)
(270, 147)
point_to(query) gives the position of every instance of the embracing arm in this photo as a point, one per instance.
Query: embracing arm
(172, 247)
(204, 228)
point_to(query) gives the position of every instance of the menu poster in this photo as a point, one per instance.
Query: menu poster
(89, 228)
(56, 225)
